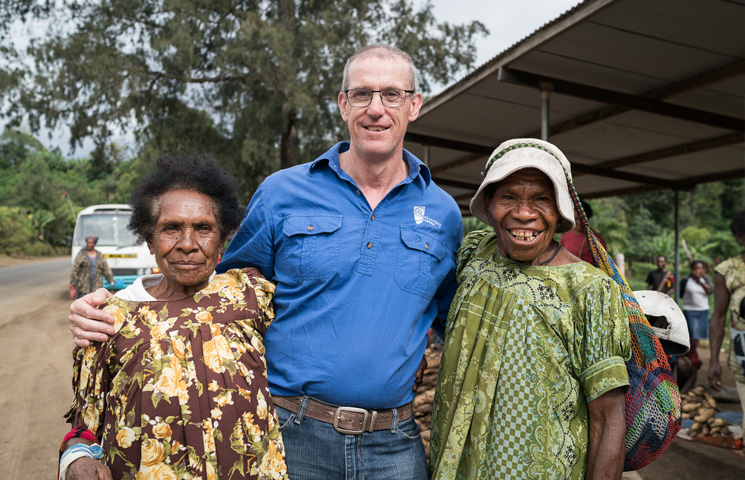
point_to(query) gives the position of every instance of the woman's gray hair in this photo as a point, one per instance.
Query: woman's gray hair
(387, 52)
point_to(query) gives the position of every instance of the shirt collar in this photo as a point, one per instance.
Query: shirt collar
(417, 168)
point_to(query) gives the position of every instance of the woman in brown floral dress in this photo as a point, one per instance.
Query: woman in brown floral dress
(180, 391)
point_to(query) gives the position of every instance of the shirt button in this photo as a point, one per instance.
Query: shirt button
(417, 239)
(372, 217)
(359, 193)
(369, 244)
(310, 228)
(426, 245)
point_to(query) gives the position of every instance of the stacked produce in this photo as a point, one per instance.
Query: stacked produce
(700, 407)
(426, 395)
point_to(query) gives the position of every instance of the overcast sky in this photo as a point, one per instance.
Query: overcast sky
(508, 22)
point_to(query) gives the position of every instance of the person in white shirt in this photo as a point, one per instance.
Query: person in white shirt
(696, 290)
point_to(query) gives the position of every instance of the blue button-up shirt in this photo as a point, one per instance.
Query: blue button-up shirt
(357, 288)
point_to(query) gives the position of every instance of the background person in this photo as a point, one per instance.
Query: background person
(532, 374)
(575, 240)
(89, 269)
(362, 245)
(696, 293)
(180, 389)
(661, 279)
(729, 295)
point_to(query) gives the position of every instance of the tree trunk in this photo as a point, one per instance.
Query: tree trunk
(289, 143)
(288, 153)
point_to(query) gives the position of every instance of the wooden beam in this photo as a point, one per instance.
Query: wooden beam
(714, 177)
(456, 184)
(457, 163)
(684, 149)
(668, 91)
(634, 102)
(620, 192)
(618, 175)
(450, 144)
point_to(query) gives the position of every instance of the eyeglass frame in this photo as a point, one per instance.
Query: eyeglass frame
(380, 94)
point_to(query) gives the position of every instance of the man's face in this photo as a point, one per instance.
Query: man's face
(377, 132)
(661, 262)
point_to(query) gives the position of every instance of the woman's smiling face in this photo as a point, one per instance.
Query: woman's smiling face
(524, 215)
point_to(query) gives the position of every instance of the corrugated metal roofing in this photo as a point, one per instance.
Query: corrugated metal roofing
(646, 95)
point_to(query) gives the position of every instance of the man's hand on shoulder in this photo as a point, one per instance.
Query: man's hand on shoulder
(88, 323)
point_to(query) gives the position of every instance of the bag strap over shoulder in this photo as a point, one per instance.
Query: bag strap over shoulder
(653, 409)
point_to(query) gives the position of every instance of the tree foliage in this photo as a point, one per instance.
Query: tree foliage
(254, 82)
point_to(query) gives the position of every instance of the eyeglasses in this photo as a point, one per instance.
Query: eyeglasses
(390, 97)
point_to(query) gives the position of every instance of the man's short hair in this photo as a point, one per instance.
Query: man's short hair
(387, 52)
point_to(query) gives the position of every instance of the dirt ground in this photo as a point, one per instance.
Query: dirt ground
(35, 373)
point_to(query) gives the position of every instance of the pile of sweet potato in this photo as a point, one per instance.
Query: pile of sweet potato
(425, 396)
(701, 407)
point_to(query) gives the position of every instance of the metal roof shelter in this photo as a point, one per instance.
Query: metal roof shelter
(640, 95)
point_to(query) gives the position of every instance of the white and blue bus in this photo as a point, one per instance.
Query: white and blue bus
(127, 258)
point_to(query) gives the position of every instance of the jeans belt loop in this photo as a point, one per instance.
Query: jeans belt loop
(394, 420)
(301, 410)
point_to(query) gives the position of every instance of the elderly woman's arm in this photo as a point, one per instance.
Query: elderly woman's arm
(86, 468)
(607, 434)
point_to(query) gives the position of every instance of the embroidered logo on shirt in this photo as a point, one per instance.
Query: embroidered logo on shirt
(420, 217)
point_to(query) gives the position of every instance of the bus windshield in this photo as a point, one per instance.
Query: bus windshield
(111, 230)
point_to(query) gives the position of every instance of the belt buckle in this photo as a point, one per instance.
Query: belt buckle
(365, 416)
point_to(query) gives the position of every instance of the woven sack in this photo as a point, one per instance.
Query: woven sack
(653, 414)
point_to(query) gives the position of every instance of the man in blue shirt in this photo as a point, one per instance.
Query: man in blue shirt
(362, 246)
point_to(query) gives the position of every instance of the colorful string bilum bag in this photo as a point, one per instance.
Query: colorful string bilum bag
(653, 415)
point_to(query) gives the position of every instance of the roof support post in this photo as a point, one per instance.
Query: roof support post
(426, 155)
(545, 110)
(676, 278)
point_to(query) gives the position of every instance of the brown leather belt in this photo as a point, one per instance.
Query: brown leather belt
(347, 420)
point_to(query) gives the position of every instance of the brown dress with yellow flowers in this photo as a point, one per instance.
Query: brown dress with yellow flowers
(180, 391)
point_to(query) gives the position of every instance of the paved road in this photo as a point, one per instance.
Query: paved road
(35, 367)
(44, 278)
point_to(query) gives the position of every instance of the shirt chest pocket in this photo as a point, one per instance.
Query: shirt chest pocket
(416, 264)
(311, 247)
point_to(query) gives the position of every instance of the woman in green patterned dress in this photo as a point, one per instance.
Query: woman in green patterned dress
(729, 294)
(180, 390)
(532, 377)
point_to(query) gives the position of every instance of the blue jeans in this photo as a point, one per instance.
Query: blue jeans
(314, 450)
(698, 323)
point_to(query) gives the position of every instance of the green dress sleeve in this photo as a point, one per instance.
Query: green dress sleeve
(601, 344)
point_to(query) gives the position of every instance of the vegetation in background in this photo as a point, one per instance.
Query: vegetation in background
(254, 82)
(41, 193)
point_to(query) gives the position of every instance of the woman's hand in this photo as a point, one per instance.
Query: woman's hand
(87, 468)
(88, 323)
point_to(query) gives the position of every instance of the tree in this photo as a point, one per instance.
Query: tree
(253, 81)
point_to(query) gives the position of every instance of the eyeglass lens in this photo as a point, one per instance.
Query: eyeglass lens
(362, 97)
